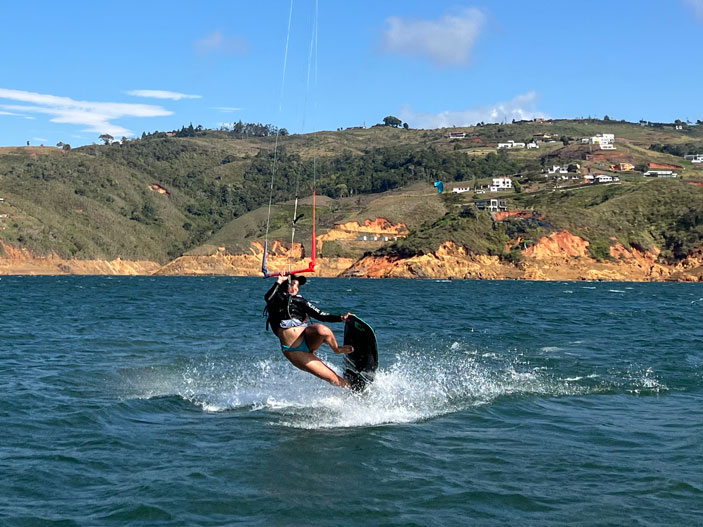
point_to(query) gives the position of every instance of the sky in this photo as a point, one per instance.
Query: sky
(73, 71)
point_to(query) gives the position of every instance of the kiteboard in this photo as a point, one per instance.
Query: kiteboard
(361, 364)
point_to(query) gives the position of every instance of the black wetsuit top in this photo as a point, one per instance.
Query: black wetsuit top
(281, 305)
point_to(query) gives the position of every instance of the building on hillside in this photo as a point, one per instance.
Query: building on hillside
(589, 178)
(376, 238)
(660, 173)
(460, 190)
(694, 158)
(605, 178)
(532, 145)
(557, 169)
(511, 144)
(623, 167)
(543, 136)
(457, 135)
(572, 176)
(492, 205)
(605, 141)
(500, 184)
(2, 200)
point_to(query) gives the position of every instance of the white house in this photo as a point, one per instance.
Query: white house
(493, 205)
(457, 135)
(557, 169)
(589, 178)
(660, 173)
(604, 178)
(501, 183)
(693, 158)
(511, 144)
(605, 141)
(459, 190)
(531, 145)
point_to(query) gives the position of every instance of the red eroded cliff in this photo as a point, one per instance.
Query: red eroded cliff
(558, 245)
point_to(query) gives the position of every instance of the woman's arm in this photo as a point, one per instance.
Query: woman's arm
(275, 289)
(315, 312)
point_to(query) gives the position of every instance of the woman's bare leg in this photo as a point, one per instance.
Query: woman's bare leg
(310, 363)
(318, 334)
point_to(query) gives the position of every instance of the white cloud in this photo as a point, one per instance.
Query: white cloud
(697, 6)
(97, 116)
(162, 94)
(521, 107)
(218, 43)
(14, 114)
(446, 42)
(228, 109)
(40, 139)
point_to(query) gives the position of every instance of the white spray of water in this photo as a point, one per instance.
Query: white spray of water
(416, 386)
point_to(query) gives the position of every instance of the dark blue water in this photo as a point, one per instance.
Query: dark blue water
(162, 401)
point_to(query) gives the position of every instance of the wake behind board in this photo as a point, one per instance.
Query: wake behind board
(361, 364)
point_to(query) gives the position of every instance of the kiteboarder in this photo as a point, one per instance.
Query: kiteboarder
(288, 315)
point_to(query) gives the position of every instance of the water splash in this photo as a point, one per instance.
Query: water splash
(417, 385)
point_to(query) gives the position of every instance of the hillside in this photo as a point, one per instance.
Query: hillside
(160, 197)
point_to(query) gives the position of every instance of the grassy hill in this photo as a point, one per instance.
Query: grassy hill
(159, 196)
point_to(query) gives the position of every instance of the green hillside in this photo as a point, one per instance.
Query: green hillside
(162, 196)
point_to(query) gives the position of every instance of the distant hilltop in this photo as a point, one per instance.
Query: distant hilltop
(631, 192)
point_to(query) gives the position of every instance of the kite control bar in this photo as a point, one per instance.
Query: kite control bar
(311, 267)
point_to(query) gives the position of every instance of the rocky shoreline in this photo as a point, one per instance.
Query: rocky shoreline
(560, 256)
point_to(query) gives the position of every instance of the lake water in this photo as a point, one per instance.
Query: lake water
(163, 401)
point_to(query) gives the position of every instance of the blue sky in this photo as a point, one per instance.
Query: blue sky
(75, 70)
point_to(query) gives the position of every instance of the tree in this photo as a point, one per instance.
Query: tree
(392, 121)
(606, 118)
(405, 125)
(66, 147)
(59, 144)
(107, 138)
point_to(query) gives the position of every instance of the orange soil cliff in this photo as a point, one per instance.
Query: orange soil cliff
(559, 256)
